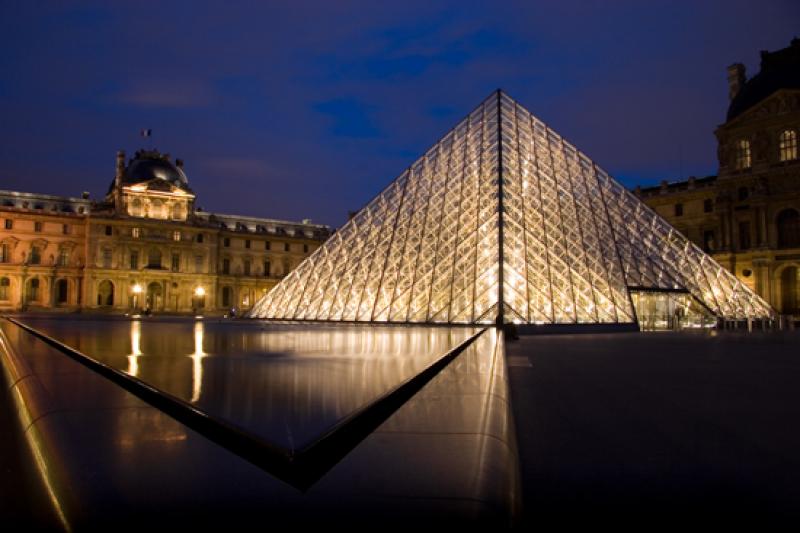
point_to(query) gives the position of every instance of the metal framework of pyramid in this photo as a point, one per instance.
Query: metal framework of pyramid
(502, 220)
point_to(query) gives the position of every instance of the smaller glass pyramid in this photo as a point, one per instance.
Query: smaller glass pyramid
(502, 219)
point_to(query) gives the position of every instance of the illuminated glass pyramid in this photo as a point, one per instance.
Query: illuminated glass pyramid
(502, 219)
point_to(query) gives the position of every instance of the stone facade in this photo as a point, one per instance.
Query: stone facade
(748, 216)
(145, 246)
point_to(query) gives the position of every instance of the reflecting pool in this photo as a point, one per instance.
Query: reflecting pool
(286, 383)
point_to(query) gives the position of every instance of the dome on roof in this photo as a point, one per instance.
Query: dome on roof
(148, 166)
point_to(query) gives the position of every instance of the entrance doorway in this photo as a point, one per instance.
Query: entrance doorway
(790, 300)
(155, 296)
(670, 310)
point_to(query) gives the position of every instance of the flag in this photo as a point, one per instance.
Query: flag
(146, 133)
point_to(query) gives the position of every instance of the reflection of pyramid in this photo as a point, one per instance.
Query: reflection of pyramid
(502, 201)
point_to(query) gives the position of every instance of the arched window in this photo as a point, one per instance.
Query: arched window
(136, 207)
(787, 143)
(788, 223)
(157, 209)
(226, 296)
(5, 285)
(105, 293)
(743, 155)
(62, 291)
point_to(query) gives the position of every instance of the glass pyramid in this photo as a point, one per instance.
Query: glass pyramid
(502, 219)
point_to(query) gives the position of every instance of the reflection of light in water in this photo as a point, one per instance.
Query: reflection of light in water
(197, 361)
(136, 350)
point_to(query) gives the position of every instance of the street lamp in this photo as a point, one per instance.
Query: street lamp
(199, 292)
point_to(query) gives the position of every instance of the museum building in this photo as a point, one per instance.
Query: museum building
(748, 216)
(145, 246)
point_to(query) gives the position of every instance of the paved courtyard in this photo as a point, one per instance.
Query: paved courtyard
(663, 424)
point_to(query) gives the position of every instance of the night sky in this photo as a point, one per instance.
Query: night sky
(308, 109)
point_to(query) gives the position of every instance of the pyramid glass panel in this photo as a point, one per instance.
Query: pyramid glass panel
(503, 219)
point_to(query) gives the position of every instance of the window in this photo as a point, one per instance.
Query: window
(36, 256)
(305, 248)
(247, 243)
(226, 266)
(62, 291)
(33, 290)
(108, 230)
(5, 256)
(134, 260)
(5, 283)
(708, 205)
(226, 296)
(246, 299)
(788, 145)
(743, 193)
(176, 235)
(744, 235)
(37, 226)
(286, 247)
(266, 245)
(107, 258)
(266, 268)
(743, 156)
(678, 210)
(200, 238)
(10, 224)
(65, 229)
(136, 233)
(788, 223)
(246, 267)
(176, 262)
(154, 258)
(286, 267)
(198, 264)
(63, 257)
(226, 242)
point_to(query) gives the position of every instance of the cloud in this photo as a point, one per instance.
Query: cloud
(235, 167)
(171, 94)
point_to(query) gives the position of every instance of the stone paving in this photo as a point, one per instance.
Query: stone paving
(659, 424)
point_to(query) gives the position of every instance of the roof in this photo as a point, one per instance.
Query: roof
(779, 70)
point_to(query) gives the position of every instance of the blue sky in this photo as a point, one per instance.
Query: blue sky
(307, 109)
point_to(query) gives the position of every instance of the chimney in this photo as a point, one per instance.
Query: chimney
(120, 168)
(736, 79)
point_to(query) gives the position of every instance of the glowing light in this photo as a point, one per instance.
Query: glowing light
(136, 349)
(137, 289)
(433, 245)
(199, 291)
(197, 361)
